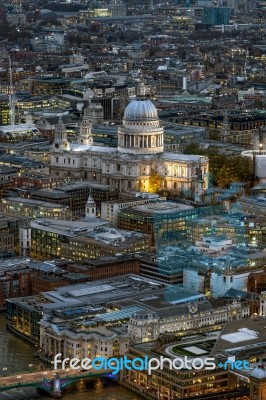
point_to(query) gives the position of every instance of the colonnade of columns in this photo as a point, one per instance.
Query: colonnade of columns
(141, 140)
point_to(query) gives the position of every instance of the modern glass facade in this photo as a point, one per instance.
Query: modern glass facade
(216, 15)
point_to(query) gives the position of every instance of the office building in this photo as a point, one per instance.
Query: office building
(216, 15)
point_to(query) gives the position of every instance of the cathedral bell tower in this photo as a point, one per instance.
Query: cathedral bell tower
(60, 140)
(85, 136)
(95, 112)
(90, 207)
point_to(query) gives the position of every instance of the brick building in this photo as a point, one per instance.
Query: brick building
(47, 283)
(107, 267)
(35, 180)
(257, 282)
(15, 282)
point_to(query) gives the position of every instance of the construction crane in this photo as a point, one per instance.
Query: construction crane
(10, 95)
(246, 61)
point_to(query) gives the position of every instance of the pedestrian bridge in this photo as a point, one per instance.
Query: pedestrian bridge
(51, 382)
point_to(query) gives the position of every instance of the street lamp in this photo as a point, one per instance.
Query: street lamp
(4, 371)
(30, 366)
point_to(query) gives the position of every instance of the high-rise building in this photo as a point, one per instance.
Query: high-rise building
(4, 110)
(118, 9)
(216, 15)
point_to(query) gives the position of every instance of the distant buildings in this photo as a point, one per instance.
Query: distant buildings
(49, 42)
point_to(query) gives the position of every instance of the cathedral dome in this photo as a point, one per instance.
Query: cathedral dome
(140, 132)
(259, 371)
(140, 110)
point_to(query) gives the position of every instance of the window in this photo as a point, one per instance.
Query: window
(118, 167)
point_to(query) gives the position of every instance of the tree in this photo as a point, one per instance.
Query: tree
(225, 169)
(98, 386)
(155, 181)
(235, 169)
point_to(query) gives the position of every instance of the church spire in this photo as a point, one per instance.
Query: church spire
(90, 206)
(85, 136)
(226, 127)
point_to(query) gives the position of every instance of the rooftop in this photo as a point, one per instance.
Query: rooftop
(241, 336)
(33, 203)
(66, 228)
(162, 207)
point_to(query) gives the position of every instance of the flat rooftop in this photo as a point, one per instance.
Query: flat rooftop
(51, 193)
(20, 128)
(162, 207)
(66, 228)
(81, 185)
(241, 336)
(33, 203)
